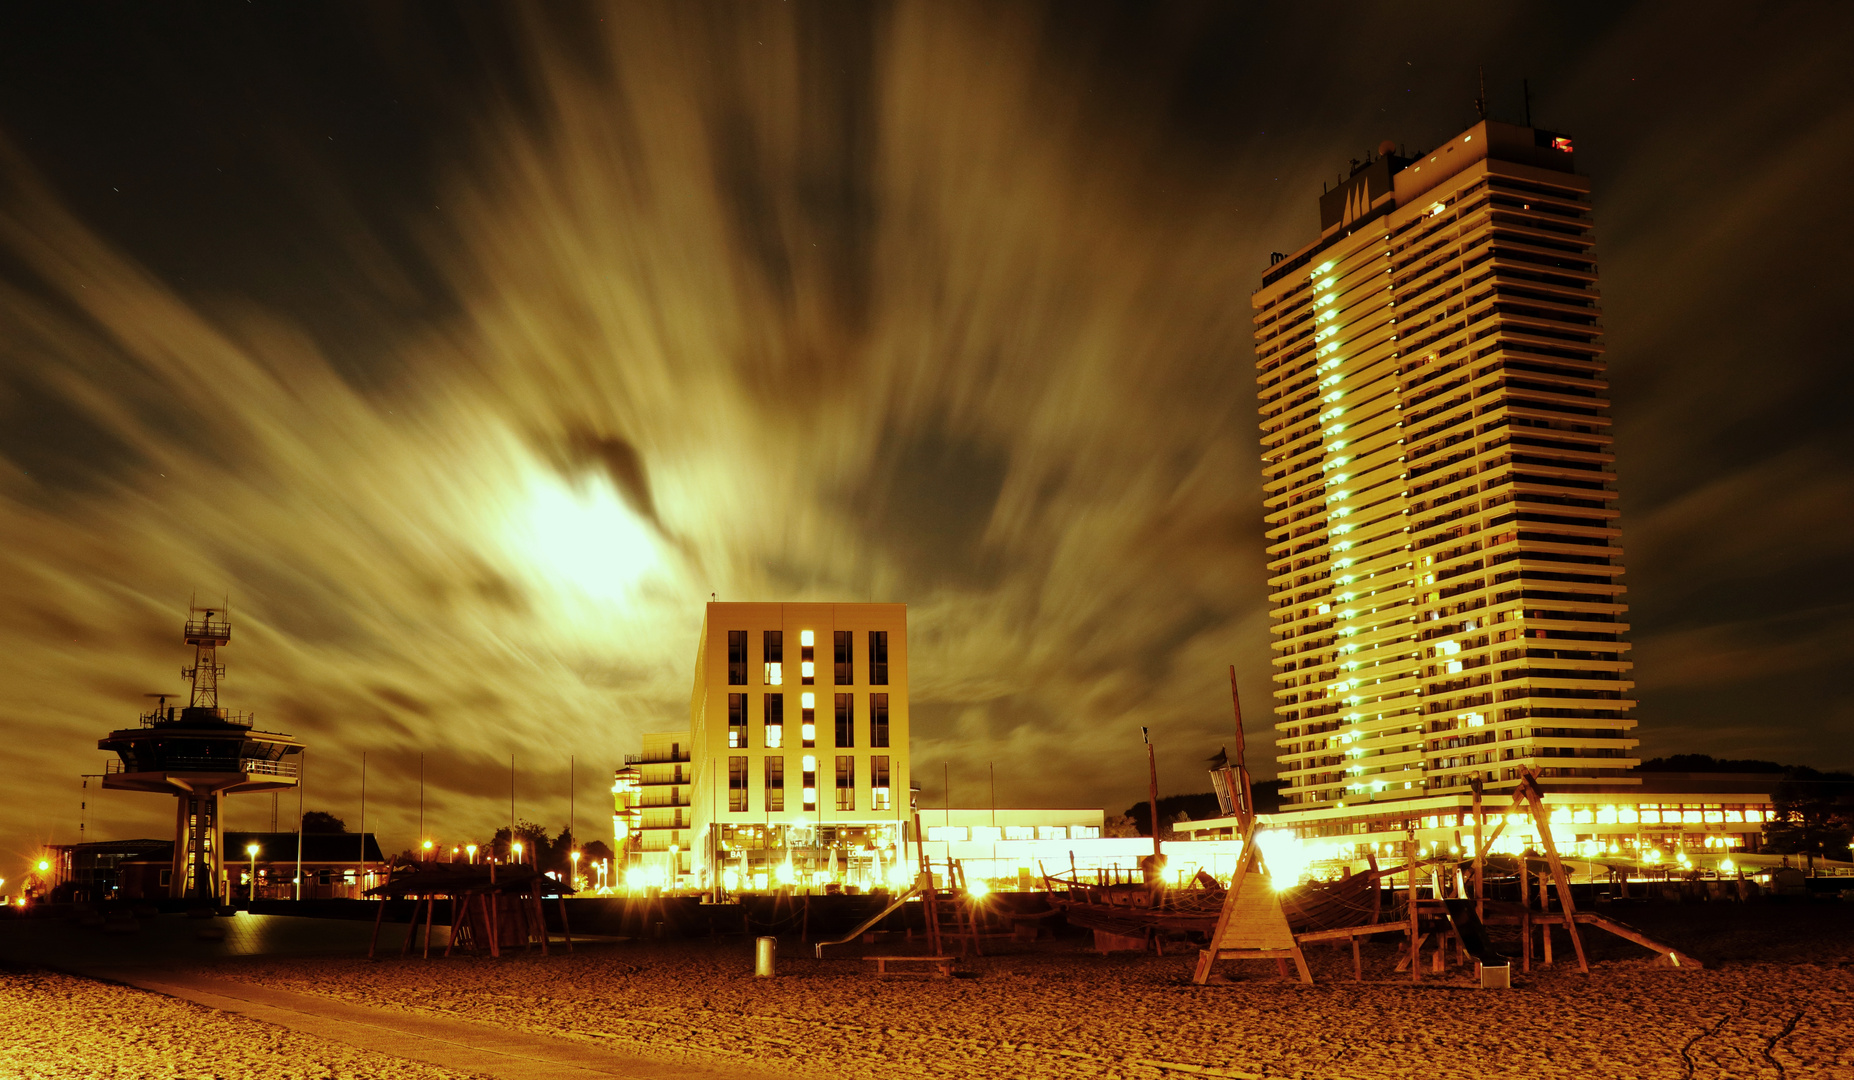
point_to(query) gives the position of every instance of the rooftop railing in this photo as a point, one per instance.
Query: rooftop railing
(263, 767)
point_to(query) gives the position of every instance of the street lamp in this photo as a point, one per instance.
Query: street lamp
(517, 858)
(428, 850)
(573, 878)
(44, 865)
(251, 851)
(471, 848)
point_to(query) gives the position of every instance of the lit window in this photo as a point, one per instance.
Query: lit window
(878, 782)
(1052, 832)
(1092, 832)
(773, 645)
(946, 833)
(736, 721)
(805, 638)
(987, 834)
(1019, 832)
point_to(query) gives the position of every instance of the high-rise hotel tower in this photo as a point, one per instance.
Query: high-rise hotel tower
(1443, 557)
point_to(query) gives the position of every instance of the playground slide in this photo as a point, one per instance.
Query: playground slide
(1468, 927)
(818, 949)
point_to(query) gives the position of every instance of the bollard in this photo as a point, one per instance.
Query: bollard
(763, 952)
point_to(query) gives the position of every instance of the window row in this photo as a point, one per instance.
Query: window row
(772, 791)
(772, 721)
(772, 653)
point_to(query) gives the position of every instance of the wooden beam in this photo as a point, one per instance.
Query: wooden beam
(1629, 933)
(1530, 786)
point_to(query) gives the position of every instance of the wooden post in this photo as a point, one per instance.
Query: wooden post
(378, 916)
(405, 947)
(1416, 944)
(431, 902)
(1480, 883)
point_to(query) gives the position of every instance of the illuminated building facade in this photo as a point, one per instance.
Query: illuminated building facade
(1444, 558)
(794, 768)
(650, 820)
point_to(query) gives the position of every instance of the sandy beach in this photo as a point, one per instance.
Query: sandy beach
(1776, 999)
(60, 1027)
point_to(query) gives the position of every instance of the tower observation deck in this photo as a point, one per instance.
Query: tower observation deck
(197, 753)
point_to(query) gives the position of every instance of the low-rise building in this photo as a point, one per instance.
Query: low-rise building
(332, 865)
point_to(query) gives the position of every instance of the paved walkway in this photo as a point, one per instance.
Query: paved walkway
(464, 1045)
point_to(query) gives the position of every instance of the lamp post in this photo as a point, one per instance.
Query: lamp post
(251, 851)
(573, 876)
(517, 859)
(427, 851)
(675, 865)
(471, 848)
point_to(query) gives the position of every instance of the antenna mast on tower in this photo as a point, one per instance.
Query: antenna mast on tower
(205, 634)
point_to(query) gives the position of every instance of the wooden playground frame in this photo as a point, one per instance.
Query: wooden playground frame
(1247, 930)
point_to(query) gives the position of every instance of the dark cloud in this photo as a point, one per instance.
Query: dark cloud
(468, 351)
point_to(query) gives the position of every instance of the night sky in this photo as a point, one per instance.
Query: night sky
(468, 349)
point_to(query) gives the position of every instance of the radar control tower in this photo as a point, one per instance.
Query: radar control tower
(196, 754)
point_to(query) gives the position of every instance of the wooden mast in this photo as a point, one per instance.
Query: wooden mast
(1152, 792)
(1240, 790)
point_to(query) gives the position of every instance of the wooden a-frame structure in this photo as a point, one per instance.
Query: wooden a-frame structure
(1252, 925)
